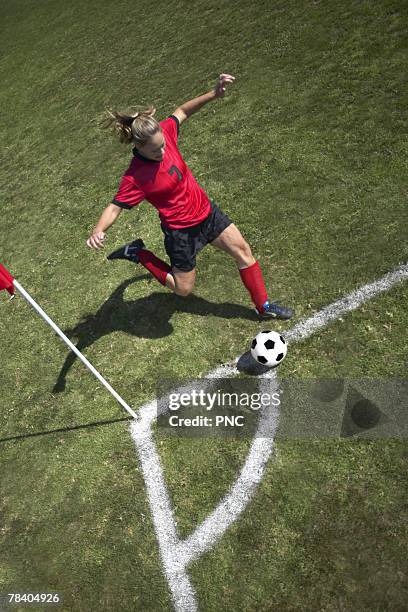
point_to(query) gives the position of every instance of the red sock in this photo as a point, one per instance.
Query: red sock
(253, 281)
(156, 266)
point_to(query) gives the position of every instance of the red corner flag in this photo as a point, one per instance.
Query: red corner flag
(6, 280)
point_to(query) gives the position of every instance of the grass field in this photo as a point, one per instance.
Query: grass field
(307, 153)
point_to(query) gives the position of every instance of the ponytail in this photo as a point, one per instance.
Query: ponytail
(134, 128)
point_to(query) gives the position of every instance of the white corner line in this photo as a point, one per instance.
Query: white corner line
(177, 554)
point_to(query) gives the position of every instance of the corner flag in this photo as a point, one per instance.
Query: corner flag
(6, 280)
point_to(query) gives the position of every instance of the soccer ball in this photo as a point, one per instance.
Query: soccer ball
(269, 348)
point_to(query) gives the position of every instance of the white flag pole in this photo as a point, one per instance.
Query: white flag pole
(73, 348)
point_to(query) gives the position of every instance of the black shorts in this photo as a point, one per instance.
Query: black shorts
(182, 245)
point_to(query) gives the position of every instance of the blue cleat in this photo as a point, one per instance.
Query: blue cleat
(129, 251)
(274, 311)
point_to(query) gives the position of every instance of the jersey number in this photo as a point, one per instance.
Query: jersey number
(173, 170)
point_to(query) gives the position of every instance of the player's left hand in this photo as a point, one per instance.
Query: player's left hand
(222, 81)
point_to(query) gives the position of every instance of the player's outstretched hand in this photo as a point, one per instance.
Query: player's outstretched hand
(96, 240)
(222, 81)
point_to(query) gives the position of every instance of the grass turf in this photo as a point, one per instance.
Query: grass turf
(306, 153)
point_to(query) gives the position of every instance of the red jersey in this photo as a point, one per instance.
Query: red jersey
(168, 184)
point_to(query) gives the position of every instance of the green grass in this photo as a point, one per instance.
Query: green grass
(307, 154)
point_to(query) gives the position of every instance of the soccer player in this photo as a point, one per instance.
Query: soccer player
(189, 219)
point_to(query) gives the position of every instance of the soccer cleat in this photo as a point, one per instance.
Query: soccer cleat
(129, 251)
(274, 311)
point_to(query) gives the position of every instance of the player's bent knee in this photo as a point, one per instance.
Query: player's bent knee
(183, 291)
(184, 281)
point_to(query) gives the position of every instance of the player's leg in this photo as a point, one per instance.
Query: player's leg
(136, 253)
(181, 282)
(232, 242)
(180, 247)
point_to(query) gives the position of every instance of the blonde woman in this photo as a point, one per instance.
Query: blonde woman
(189, 219)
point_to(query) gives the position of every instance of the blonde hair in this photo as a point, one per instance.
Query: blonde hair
(135, 128)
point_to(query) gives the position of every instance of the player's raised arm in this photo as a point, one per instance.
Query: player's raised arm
(192, 106)
(108, 217)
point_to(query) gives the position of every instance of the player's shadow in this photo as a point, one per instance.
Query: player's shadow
(147, 317)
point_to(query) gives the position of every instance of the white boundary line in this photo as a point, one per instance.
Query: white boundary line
(177, 554)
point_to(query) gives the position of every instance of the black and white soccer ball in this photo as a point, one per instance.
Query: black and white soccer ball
(269, 348)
